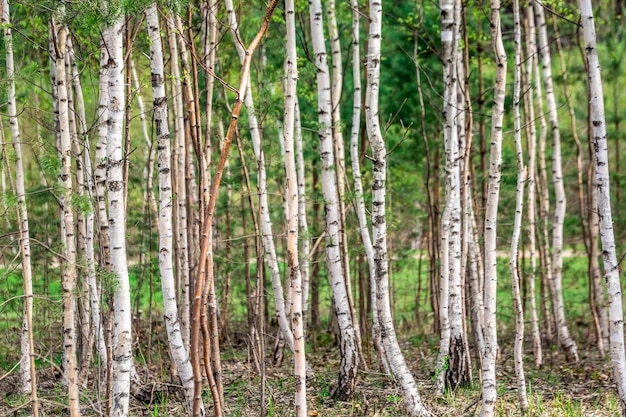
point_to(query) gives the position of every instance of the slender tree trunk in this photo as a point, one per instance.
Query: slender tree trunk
(291, 186)
(84, 318)
(412, 400)
(336, 92)
(544, 202)
(611, 263)
(358, 185)
(28, 375)
(302, 218)
(93, 290)
(182, 249)
(518, 351)
(529, 113)
(596, 297)
(565, 340)
(349, 351)
(452, 355)
(266, 225)
(491, 217)
(170, 309)
(205, 268)
(122, 340)
(69, 277)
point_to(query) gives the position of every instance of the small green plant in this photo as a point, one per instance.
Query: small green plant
(443, 368)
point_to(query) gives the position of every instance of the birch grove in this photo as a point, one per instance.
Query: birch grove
(146, 270)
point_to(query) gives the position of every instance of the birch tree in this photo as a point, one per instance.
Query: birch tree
(451, 364)
(491, 216)
(358, 183)
(607, 235)
(565, 340)
(529, 114)
(69, 275)
(122, 340)
(291, 187)
(28, 376)
(518, 351)
(205, 268)
(401, 371)
(265, 222)
(170, 308)
(347, 340)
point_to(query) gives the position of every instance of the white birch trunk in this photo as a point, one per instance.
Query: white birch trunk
(100, 192)
(412, 400)
(264, 214)
(336, 91)
(529, 111)
(182, 239)
(90, 258)
(491, 216)
(170, 308)
(28, 377)
(544, 199)
(122, 340)
(607, 235)
(451, 362)
(518, 350)
(82, 290)
(349, 353)
(69, 277)
(565, 340)
(358, 184)
(291, 193)
(302, 220)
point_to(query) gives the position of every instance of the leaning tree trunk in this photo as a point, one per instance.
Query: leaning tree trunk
(69, 277)
(607, 235)
(564, 338)
(412, 400)
(170, 308)
(28, 376)
(349, 353)
(491, 217)
(122, 340)
(205, 275)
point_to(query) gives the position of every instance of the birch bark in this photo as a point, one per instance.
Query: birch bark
(358, 184)
(529, 113)
(491, 216)
(349, 353)
(122, 340)
(69, 276)
(28, 376)
(170, 308)
(607, 235)
(565, 340)
(518, 351)
(412, 400)
(182, 239)
(291, 186)
(264, 214)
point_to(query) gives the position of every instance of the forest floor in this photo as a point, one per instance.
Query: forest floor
(584, 388)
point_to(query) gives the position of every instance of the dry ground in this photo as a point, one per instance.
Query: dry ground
(557, 389)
